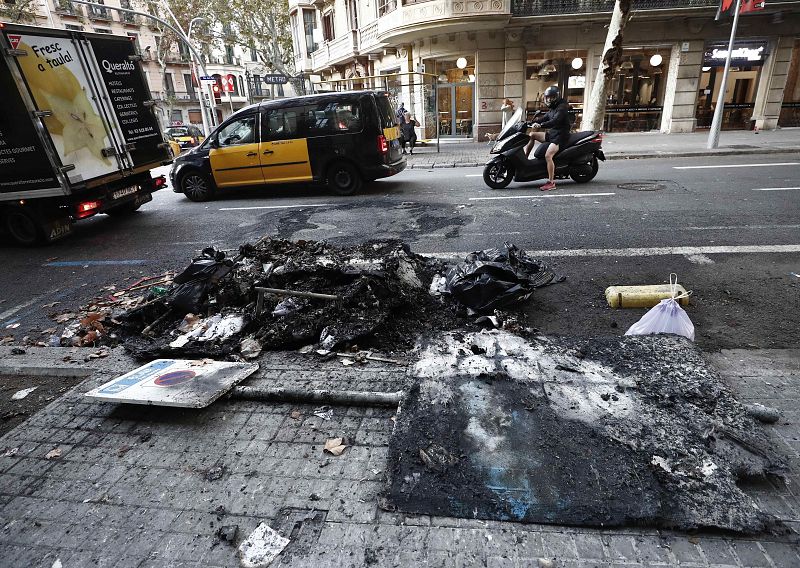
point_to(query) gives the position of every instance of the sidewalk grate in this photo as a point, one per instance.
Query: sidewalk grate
(642, 186)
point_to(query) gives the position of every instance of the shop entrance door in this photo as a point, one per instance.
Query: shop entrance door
(455, 109)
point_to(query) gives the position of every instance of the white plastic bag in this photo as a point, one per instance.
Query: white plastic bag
(666, 317)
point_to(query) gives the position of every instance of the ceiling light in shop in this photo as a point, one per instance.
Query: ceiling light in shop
(577, 63)
(626, 65)
(549, 68)
(461, 62)
(706, 69)
(656, 60)
(472, 78)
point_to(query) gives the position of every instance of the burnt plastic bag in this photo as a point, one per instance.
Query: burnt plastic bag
(191, 285)
(666, 317)
(491, 279)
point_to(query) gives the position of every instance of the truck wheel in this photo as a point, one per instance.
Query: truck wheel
(22, 225)
(344, 179)
(196, 186)
(123, 210)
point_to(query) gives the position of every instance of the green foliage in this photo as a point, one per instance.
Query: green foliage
(18, 12)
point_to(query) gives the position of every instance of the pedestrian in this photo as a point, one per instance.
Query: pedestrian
(407, 132)
(401, 112)
(508, 111)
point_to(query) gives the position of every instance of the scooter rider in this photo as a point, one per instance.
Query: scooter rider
(556, 122)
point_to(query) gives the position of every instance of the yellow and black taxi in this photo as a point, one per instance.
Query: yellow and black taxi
(185, 136)
(340, 139)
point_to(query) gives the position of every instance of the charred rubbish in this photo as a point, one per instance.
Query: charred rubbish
(280, 294)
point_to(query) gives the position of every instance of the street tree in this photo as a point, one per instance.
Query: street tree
(264, 27)
(595, 110)
(18, 11)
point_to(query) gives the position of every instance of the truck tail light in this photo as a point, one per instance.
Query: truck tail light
(383, 145)
(86, 209)
(159, 182)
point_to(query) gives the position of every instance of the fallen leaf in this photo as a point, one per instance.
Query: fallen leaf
(92, 317)
(694, 540)
(10, 452)
(335, 446)
(53, 454)
(49, 331)
(64, 318)
(295, 415)
(7, 339)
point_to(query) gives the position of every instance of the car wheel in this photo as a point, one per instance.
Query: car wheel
(586, 175)
(498, 175)
(196, 186)
(344, 179)
(23, 226)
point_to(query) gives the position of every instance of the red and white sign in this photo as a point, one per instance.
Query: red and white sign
(229, 83)
(14, 40)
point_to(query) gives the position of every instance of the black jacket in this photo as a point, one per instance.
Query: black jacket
(556, 121)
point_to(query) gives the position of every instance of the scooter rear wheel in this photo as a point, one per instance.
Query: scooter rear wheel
(586, 176)
(498, 175)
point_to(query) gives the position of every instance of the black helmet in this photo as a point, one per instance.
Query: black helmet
(552, 91)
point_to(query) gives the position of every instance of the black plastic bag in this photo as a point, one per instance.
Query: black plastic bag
(191, 285)
(492, 279)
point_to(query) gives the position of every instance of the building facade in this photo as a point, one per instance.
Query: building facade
(455, 61)
(170, 73)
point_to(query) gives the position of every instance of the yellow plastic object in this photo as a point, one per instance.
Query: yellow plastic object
(645, 296)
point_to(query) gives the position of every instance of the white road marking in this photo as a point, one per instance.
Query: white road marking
(548, 195)
(11, 311)
(737, 227)
(274, 207)
(658, 251)
(774, 188)
(473, 175)
(735, 166)
(699, 259)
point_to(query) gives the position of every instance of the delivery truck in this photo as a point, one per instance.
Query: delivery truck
(78, 131)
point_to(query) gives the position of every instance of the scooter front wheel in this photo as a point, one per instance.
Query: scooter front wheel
(498, 175)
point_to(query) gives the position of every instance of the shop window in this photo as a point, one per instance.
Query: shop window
(790, 109)
(563, 69)
(740, 92)
(636, 96)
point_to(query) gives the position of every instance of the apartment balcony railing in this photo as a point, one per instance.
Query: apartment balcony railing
(129, 19)
(176, 96)
(67, 8)
(331, 52)
(556, 7)
(368, 36)
(96, 13)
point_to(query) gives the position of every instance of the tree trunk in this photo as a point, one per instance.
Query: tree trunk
(595, 110)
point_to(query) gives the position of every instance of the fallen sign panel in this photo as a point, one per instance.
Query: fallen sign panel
(175, 382)
(603, 432)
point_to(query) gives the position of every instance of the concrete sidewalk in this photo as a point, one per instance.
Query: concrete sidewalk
(139, 486)
(621, 146)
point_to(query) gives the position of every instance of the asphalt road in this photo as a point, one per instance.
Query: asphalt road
(733, 235)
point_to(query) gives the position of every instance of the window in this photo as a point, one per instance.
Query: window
(333, 118)
(96, 12)
(241, 86)
(257, 85)
(295, 42)
(253, 54)
(74, 28)
(101, 31)
(177, 116)
(229, 54)
(187, 80)
(242, 131)
(169, 86)
(281, 123)
(352, 13)
(327, 26)
(386, 6)
(135, 39)
(125, 16)
(309, 24)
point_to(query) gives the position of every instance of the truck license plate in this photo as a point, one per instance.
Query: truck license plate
(120, 193)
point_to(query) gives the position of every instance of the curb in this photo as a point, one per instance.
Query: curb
(624, 156)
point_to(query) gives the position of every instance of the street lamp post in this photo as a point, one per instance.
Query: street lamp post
(208, 120)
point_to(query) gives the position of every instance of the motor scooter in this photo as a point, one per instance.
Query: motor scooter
(578, 160)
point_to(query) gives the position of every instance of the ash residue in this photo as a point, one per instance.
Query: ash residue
(606, 432)
(382, 290)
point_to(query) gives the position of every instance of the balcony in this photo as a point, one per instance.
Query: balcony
(129, 19)
(336, 51)
(176, 96)
(563, 7)
(96, 13)
(67, 8)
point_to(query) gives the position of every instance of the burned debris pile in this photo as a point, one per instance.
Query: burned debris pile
(282, 294)
(603, 432)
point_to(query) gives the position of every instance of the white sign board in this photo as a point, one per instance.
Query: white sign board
(175, 382)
